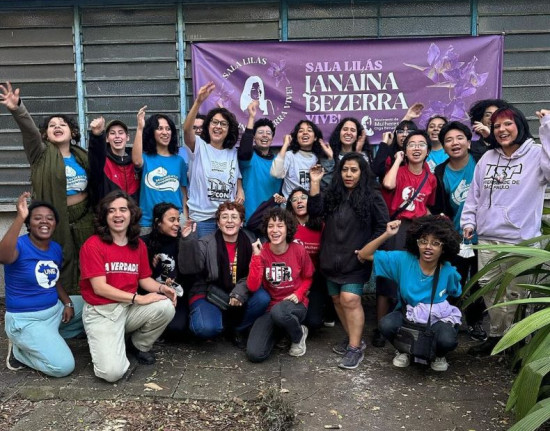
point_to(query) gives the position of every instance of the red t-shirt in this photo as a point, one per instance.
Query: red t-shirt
(282, 274)
(406, 184)
(311, 240)
(122, 266)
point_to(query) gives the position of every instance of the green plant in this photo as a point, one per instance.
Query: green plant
(276, 413)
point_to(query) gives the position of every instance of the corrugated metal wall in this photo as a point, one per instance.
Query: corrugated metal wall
(130, 54)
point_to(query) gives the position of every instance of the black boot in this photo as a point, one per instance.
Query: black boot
(485, 348)
(378, 339)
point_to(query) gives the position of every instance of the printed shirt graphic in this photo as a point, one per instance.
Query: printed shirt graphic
(162, 179)
(457, 185)
(297, 166)
(31, 280)
(77, 180)
(406, 185)
(213, 179)
(121, 266)
(503, 176)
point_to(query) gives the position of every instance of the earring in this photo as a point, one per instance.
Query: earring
(73, 142)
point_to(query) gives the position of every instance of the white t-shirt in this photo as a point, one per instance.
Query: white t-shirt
(213, 179)
(296, 169)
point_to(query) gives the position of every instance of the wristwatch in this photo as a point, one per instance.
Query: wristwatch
(69, 304)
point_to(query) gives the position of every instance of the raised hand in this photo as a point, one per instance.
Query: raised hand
(189, 227)
(205, 91)
(257, 247)
(9, 97)
(22, 205)
(542, 113)
(286, 141)
(326, 149)
(141, 117)
(393, 227)
(252, 108)
(481, 129)
(97, 126)
(414, 111)
(361, 139)
(400, 156)
(387, 138)
(316, 173)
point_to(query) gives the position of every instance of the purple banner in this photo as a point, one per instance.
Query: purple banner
(375, 81)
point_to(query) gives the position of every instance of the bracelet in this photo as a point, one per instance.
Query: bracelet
(160, 291)
(69, 304)
(134, 298)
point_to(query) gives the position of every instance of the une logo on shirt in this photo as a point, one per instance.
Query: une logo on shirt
(47, 273)
(278, 273)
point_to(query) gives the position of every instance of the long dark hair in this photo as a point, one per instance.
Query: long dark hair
(313, 223)
(336, 144)
(316, 148)
(149, 142)
(100, 221)
(155, 237)
(233, 129)
(360, 198)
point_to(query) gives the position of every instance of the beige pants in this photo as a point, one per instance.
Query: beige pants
(106, 326)
(501, 318)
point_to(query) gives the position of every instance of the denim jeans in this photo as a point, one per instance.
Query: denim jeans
(446, 334)
(207, 320)
(284, 316)
(206, 227)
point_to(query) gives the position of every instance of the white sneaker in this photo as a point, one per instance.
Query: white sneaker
(439, 364)
(401, 360)
(299, 349)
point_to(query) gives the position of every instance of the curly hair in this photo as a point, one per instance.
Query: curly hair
(233, 130)
(313, 223)
(228, 206)
(149, 142)
(100, 220)
(514, 114)
(155, 236)
(439, 227)
(264, 122)
(37, 204)
(478, 108)
(280, 214)
(71, 122)
(360, 198)
(336, 144)
(316, 148)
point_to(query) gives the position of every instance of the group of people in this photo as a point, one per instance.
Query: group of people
(213, 239)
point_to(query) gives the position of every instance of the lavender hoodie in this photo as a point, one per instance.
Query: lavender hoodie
(506, 196)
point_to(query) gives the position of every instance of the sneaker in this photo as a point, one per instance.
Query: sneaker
(476, 332)
(12, 363)
(144, 358)
(352, 358)
(299, 349)
(485, 348)
(378, 340)
(329, 323)
(239, 339)
(401, 360)
(439, 364)
(342, 348)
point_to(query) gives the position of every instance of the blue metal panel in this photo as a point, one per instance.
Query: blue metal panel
(284, 20)
(473, 17)
(79, 81)
(181, 62)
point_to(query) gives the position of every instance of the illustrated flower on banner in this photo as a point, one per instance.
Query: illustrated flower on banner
(223, 97)
(278, 71)
(446, 71)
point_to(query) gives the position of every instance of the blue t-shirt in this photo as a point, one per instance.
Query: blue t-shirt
(258, 184)
(31, 280)
(415, 287)
(457, 185)
(161, 181)
(77, 179)
(436, 157)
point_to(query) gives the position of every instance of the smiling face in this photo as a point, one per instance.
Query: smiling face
(305, 136)
(351, 173)
(434, 128)
(229, 224)
(430, 248)
(506, 132)
(348, 133)
(298, 201)
(117, 139)
(118, 216)
(417, 149)
(41, 223)
(197, 126)
(263, 138)
(170, 223)
(489, 111)
(401, 134)
(58, 131)
(163, 133)
(218, 129)
(276, 232)
(456, 144)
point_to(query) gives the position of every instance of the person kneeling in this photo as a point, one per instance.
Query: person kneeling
(285, 270)
(113, 262)
(431, 242)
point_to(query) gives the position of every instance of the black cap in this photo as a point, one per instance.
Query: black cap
(116, 123)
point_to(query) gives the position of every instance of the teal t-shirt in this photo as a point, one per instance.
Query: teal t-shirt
(415, 287)
(457, 185)
(436, 157)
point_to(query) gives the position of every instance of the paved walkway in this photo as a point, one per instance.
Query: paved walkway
(377, 396)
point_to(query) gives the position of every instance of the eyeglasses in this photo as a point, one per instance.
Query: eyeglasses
(264, 132)
(299, 198)
(232, 217)
(222, 124)
(402, 131)
(423, 242)
(420, 145)
(197, 128)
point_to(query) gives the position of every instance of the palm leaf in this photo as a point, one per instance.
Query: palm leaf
(538, 415)
(522, 329)
(532, 377)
